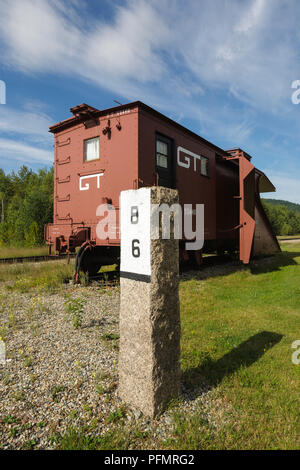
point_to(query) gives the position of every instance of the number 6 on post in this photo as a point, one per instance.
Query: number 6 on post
(135, 234)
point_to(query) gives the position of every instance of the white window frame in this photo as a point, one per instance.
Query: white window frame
(86, 141)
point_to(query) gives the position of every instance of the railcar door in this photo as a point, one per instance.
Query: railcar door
(164, 161)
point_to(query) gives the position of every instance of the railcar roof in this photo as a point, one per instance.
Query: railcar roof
(96, 113)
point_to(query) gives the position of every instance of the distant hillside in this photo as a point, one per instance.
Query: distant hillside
(283, 215)
(278, 202)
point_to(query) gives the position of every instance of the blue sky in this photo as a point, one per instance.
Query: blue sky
(223, 68)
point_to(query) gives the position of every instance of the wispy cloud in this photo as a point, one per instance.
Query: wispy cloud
(30, 122)
(23, 152)
(24, 136)
(287, 187)
(149, 48)
(40, 37)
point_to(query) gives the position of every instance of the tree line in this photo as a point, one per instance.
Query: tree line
(279, 202)
(284, 216)
(26, 205)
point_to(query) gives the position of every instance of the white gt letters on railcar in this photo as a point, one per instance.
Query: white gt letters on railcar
(86, 186)
(187, 160)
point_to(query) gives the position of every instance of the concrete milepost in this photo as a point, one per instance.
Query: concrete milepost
(149, 367)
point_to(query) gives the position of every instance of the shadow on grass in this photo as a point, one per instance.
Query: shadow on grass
(211, 373)
(225, 266)
(274, 263)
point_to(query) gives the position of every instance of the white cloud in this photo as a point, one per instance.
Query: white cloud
(32, 123)
(23, 152)
(219, 43)
(287, 187)
(24, 135)
(249, 47)
(251, 17)
(39, 37)
(127, 48)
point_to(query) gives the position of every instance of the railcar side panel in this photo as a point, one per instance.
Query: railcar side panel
(81, 186)
(193, 187)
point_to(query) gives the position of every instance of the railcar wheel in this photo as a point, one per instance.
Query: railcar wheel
(89, 265)
(86, 261)
(92, 270)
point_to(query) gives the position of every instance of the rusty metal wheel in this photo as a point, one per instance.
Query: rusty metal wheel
(89, 263)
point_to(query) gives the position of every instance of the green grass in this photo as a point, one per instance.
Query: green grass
(42, 276)
(118, 438)
(237, 333)
(13, 252)
(45, 276)
(288, 236)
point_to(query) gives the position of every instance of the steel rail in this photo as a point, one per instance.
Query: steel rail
(34, 259)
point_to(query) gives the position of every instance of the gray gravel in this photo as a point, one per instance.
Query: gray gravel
(57, 375)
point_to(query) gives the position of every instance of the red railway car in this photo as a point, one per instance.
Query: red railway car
(99, 153)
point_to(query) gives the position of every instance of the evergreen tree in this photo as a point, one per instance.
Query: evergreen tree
(26, 205)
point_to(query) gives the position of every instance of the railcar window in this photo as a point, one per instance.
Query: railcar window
(204, 166)
(92, 149)
(161, 154)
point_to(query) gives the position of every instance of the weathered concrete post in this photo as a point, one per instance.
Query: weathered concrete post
(149, 368)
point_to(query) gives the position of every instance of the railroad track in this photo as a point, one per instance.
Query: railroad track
(111, 277)
(34, 259)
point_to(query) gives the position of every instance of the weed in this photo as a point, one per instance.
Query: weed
(12, 320)
(140, 434)
(56, 392)
(6, 379)
(10, 419)
(28, 361)
(26, 426)
(100, 389)
(3, 333)
(26, 356)
(19, 395)
(73, 414)
(54, 438)
(116, 415)
(84, 278)
(75, 308)
(111, 339)
(110, 336)
(14, 431)
(29, 445)
(42, 424)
